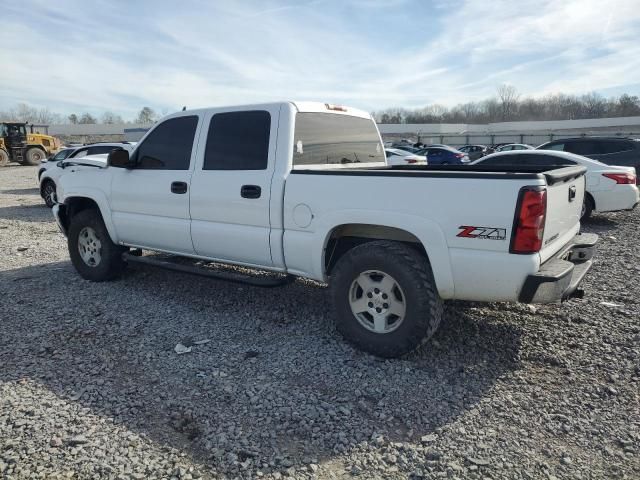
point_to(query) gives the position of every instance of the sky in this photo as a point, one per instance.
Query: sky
(93, 55)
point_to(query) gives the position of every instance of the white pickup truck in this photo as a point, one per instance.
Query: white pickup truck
(303, 189)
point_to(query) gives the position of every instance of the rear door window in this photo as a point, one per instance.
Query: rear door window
(238, 141)
(327, 138)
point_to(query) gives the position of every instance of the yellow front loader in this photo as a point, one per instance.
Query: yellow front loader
(27, 148)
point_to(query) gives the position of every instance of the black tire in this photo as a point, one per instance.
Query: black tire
(4, 158)
(48, 192)
(110, 264)
(587, 207)
(412, 273)
(34, 156)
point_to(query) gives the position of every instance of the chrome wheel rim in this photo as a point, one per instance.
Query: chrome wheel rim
(377, 301)
(89, 247)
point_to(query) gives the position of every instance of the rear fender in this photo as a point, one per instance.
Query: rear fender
(428, 233)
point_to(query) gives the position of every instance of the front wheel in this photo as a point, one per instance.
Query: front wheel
(385, 298)
(48, 193)
(93, 254)
(34, 156)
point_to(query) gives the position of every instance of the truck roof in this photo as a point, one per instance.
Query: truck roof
(301, 106)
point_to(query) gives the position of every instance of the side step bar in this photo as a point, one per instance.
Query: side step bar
(135, 257)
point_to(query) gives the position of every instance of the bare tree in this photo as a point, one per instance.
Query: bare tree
(111, 118)
(594, 105)
(87, 118)
(73, 118)
(508, 97)
(146, 115)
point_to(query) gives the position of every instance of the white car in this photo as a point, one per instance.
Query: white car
(609, 188)
(395, 156)
(514, 146)
(88, 155)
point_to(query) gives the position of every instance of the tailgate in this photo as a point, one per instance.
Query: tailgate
(565, 195)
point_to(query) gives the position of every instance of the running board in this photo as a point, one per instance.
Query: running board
(205, 272)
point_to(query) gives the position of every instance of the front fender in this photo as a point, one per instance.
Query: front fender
(428, 232)
(100, 198)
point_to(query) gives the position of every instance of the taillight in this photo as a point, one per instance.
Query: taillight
(528, 225)
(411, 160)
(621, 178)
(459, 155)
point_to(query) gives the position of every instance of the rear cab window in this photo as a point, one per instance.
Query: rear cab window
(332, 139)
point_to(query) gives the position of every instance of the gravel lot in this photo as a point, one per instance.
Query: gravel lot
(91, 387)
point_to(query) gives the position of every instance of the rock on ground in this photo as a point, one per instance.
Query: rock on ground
(91, 387)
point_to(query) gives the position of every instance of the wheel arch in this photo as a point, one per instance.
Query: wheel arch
(75, 203)
(421, 234)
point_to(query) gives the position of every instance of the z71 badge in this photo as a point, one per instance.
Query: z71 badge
(490, 233)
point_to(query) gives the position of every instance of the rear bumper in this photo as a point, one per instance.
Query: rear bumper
(558, 278)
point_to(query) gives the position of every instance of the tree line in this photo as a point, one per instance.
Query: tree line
(507, 105)
(43, 116)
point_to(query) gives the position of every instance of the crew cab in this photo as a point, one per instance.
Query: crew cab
(302, 189)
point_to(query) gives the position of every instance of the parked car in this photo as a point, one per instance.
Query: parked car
(624, 152)
(444, 156)
(609, 188)
(475, 151)
(51, 170)
(513, 146)
(192, 190)
(396, 156)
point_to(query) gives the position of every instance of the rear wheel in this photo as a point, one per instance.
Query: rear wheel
(4, 157)
(48, 193)
(34, 156)
(385, 298)
(587, 207)
(93, 254)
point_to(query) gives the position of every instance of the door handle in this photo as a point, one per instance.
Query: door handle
(178, 187)
(250, 191)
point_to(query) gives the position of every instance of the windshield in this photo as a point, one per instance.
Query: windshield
(14, 130)
(327, 138)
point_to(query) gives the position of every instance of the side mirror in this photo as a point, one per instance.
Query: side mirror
(119, 158)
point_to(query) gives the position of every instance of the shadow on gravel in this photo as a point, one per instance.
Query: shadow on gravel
(273, 384)
(22, 191)
(27, 213)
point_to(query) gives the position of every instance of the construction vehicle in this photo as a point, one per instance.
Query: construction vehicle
(27, 148)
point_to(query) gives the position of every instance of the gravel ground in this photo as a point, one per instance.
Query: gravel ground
(91, 387)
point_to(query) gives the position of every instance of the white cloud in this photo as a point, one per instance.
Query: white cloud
(369, 53)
